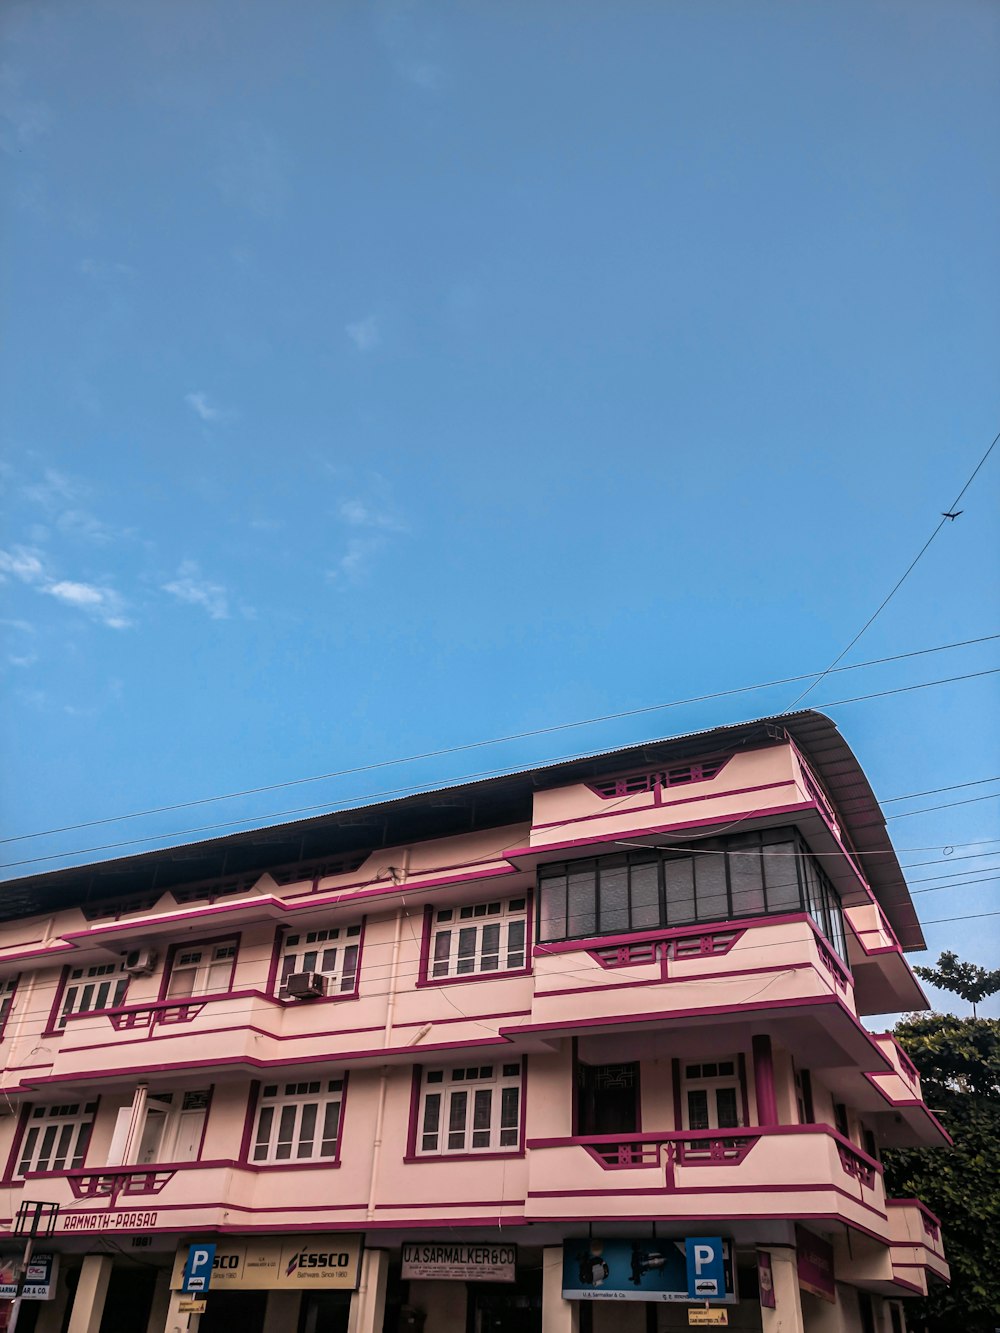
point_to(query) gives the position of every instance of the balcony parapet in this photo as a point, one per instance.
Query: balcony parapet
(916, 1244)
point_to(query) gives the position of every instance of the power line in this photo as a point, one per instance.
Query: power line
(372, 798)
(945, 805)
(496, 740)
(910, 796)
(945, 518)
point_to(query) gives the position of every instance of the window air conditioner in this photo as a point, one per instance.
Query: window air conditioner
(305, 985)
(139, 962)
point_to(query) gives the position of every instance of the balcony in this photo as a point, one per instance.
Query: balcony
(915, 1245)
(765, 1172)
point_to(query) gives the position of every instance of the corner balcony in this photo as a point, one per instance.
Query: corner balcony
(764, 1172)
(915, 1245)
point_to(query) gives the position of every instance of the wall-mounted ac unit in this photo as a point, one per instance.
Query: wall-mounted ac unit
(305, 985)
(140, 962)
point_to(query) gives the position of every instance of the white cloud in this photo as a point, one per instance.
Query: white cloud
(356, 560)
(364, 333)
(198, 402)
(61, 497)
(358, 514)
(22, 659)
(103, 604)
(189, 586)
(23, 564)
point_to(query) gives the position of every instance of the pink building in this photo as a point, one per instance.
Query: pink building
(496, 1057)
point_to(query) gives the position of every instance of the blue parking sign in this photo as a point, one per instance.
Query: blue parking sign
(198, 1269)
(706, 1272)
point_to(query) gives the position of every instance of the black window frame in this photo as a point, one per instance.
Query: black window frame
(763, 887)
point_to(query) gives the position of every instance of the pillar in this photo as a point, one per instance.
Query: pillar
(444, 1303)
(558, 1315)
(825, 1316)
(368, 1302)
(52, 1313)
(161, 1300)
(91, 1290)
(176, 1321)
(786, 1317)
(282, 1311)
(763, 1080)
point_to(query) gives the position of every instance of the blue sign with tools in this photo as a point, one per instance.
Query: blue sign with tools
(652, 1269)
(706, 1269)
(198, 1269)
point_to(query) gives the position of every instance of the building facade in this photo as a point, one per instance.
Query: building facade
(487, 1058)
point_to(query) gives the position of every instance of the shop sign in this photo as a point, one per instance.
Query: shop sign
(39, 1280)
(475, 1262)
(720, 1318)
(815, 1265)
(192, 1306)
(765, 1280)
(326, 1262)
(140, 1220)
(636, 1270)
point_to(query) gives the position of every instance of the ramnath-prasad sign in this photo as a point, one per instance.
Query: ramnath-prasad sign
(477, 1262)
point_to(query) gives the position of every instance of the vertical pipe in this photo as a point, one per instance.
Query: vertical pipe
(390, 1009)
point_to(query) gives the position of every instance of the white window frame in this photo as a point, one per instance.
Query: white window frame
(286, 1110)
(478, 939)
(712, 1085)
(90, 990)
(469, 1109)
(55, 1138)
(200, 962)
(8, 989)
(174, 1115)
(334, 952)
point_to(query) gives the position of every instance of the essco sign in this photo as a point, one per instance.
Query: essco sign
(459, 1263)
(330, 1262)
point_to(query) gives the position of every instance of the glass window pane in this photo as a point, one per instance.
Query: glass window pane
(552, 908)
(781, 878)
(350, 976)
(456, 1119)
(614, 895)
(710, 881)
(581, 893)
(432, 1119)
(678, 874)
(645, 895)
(307, 1130)
(725, 1106)
(747, 883)
(442, 952)
(331, 1124)
(697, 1100)
(286, 1128)
(490, 960)
(467, 949)
(515, 944)
(263, 1132)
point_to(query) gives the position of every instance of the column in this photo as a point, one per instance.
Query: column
(763, 1080)
(368, 1302)
(161, 1300)
(51, 1313)
(558, 1315)
(91, 1290)
(786, 1317)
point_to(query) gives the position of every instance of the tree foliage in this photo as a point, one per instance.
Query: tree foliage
(966, 980)
(959, 1064)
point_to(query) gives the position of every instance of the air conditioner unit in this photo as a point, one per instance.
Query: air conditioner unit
(305, 985)
(139, 962)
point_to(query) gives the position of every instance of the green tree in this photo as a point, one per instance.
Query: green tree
(959, 1064)
(966, 980)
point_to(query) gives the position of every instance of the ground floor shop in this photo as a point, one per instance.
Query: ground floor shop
(542, 1278)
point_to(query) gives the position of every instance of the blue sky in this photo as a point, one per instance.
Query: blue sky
(379, 378)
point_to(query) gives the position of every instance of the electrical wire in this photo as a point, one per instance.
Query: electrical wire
(496, 740)
(434, 785)
(945, 518)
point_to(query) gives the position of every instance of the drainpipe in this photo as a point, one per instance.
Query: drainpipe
(136, 1125)
(390, 1010)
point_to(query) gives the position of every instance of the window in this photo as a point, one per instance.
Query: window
(332, 952)
(202, 970)
(712, 1096)
(753, 874)
(56, 1137)
(482, 937)
(804, 1097)
(8, 985)
(298, 1122)
(90, 989)
(173, 1128)
(475, 1108)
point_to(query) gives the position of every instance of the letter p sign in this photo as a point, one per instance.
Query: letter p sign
(198, 1269)
(705, 1268)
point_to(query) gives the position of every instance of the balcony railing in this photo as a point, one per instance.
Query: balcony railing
(109, 1183)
